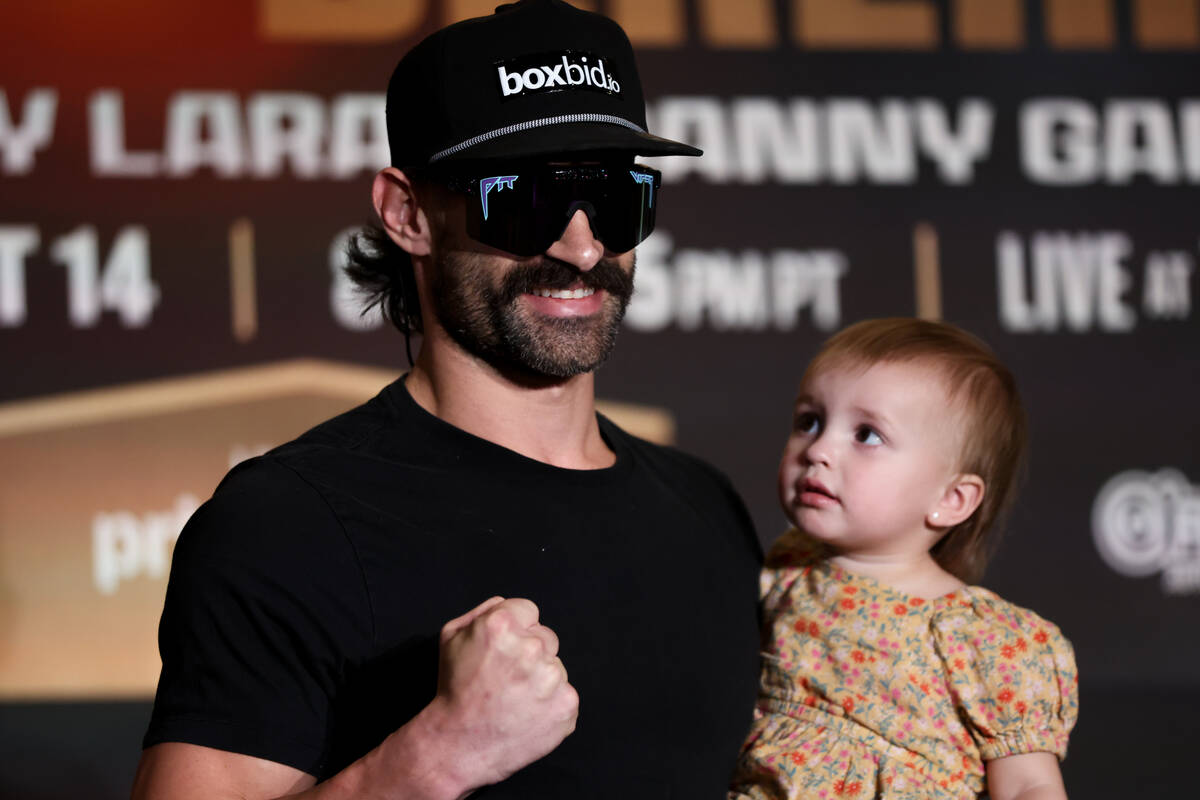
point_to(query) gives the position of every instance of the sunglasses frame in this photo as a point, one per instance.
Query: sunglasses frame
(486, 181)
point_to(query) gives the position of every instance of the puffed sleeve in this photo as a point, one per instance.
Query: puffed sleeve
(785, 561)
(1012, 674)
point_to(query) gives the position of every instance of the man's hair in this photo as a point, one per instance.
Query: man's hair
(383, 273)
(991, 418)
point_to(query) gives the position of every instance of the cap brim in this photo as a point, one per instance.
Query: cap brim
(574, 137)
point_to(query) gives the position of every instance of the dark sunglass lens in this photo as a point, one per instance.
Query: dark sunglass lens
(627, 216)
(499, 212)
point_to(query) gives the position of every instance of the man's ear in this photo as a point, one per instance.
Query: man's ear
(396, 203)
(962, 496)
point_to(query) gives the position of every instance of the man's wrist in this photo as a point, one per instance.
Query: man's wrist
(423, 760)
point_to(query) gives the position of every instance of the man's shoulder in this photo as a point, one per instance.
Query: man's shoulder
(354, 429)
(283, 492)
(348, 444)
(261, 506)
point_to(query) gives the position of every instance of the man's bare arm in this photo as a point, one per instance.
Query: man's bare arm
(503, 702)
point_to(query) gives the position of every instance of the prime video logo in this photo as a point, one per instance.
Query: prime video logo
(565, 73)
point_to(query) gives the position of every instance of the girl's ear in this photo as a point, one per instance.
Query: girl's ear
(396, 203)
(962, 496)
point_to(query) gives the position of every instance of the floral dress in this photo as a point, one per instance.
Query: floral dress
(871, 693)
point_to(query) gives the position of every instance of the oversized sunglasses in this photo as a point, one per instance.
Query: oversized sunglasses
(524, 209)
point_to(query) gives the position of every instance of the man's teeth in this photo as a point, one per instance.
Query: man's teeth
(564, 294)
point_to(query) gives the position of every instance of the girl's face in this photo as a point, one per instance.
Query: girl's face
(871, 455)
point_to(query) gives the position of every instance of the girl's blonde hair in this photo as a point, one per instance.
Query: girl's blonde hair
(983, 392)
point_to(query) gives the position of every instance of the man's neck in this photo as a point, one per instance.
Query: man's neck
(554, 423)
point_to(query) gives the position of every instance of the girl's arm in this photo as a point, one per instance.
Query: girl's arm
(1028, 776)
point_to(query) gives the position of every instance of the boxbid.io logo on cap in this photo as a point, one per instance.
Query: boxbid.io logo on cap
(555, 72)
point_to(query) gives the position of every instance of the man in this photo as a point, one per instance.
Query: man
(300, 637)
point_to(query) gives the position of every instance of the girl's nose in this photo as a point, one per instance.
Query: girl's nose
(818, 451)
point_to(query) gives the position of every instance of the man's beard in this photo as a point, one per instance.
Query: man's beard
(487, 320)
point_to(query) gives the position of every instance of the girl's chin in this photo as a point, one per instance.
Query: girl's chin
(812, 527)
(807, 517)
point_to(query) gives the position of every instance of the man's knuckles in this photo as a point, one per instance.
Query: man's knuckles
(549, 639)
(524, 612)
(512, 616)
(531, 649)
(568, 703)
(458, 623)
(499, 623)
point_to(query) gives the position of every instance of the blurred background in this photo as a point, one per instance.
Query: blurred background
(177, 181)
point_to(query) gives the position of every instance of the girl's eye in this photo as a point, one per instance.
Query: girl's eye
(808, 422)
(867, 435)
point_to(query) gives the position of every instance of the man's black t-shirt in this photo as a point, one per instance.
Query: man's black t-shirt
(305, 600)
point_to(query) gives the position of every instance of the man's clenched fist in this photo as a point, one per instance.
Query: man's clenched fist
(503, 688)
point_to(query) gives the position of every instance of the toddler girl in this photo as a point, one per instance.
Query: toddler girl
(886, 672)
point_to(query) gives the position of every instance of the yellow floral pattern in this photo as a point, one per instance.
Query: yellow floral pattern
(869, 692)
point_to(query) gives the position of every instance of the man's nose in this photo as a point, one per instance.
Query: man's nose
(578, 246)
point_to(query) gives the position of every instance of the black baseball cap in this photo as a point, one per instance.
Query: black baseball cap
(537, 77)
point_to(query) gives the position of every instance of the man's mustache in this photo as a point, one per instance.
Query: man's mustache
(550, 273)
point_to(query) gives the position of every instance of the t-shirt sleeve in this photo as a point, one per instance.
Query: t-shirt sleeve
(1013, 675)
(266, 609)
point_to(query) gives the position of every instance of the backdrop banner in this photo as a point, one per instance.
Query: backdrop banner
(178, 181)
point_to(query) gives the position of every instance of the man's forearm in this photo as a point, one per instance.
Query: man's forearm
(422, 760)
(503, 702)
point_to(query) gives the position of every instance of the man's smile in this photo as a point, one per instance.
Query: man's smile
(576, 300)
(565, 294)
